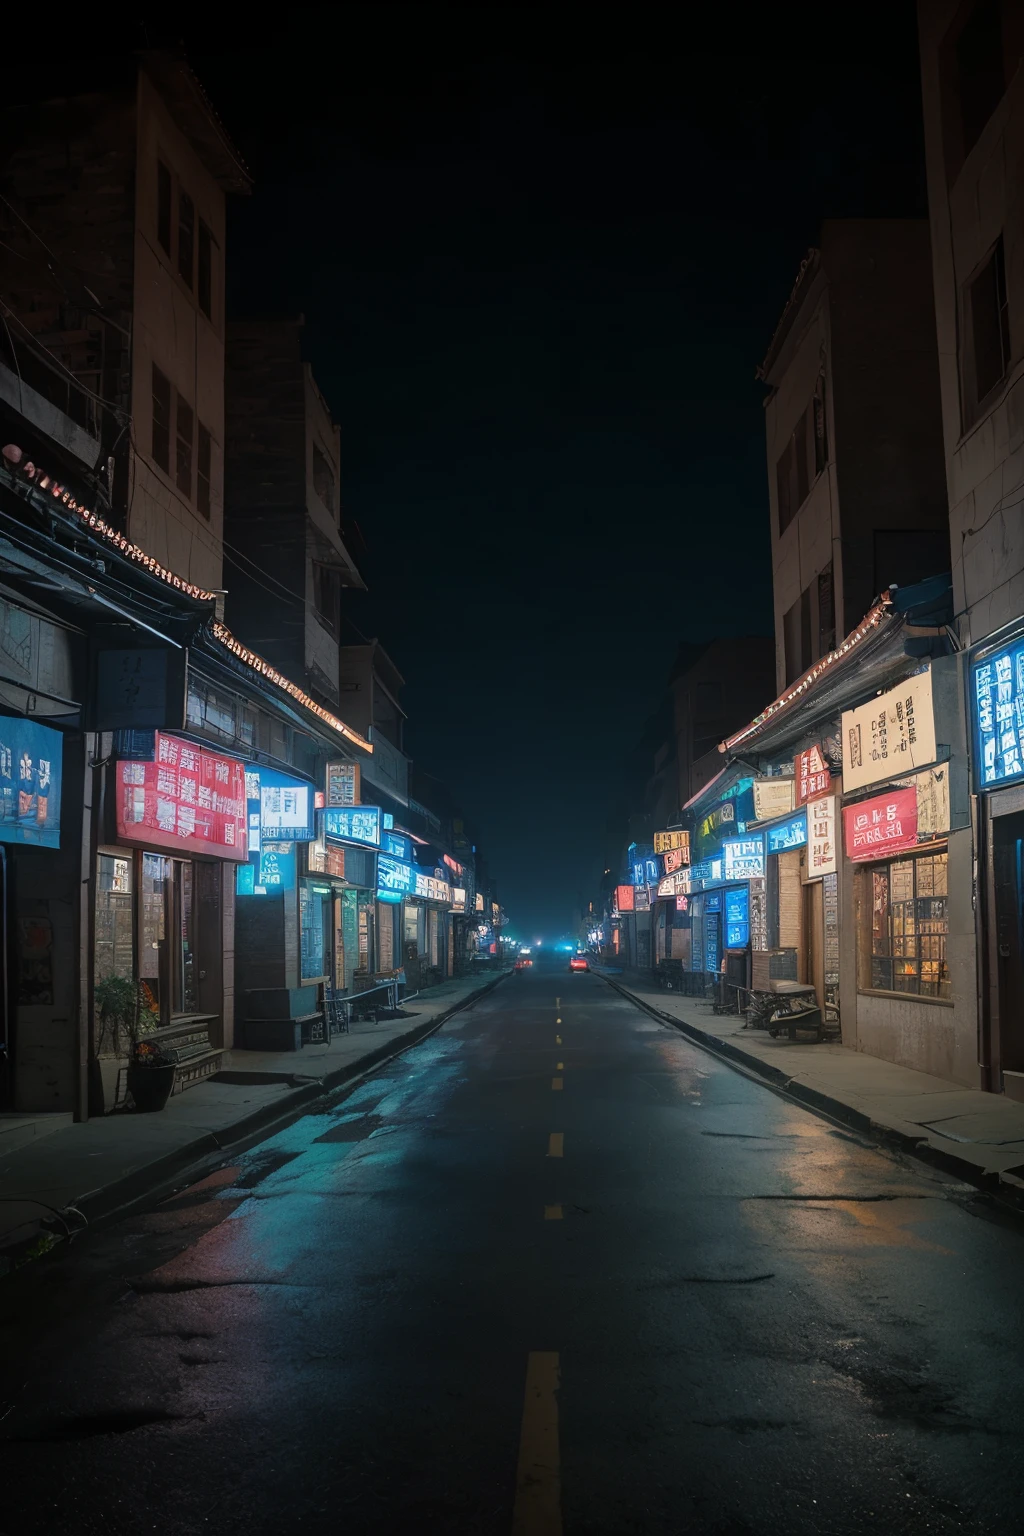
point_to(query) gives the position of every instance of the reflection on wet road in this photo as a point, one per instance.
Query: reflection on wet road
(659, 1298)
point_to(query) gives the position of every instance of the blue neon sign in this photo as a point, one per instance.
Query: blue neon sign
(787, 834)
(396, 843)
(394, 878)
(737, 917)
(997, 704)
(354, 824)
(30, 779)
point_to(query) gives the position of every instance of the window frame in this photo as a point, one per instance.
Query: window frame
(868, 955)
(974, 403)
(155, 425)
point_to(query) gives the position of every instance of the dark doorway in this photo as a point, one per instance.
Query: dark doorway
(1008, 881)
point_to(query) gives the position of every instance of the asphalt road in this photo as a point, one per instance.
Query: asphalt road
(555, 1269)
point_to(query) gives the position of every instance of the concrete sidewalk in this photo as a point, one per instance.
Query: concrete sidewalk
(979, 1136)
(105, 1164)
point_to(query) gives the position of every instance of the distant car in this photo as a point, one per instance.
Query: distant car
(579, 963)
(522, 963)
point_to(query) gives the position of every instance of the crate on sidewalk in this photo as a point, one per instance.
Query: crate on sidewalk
(768, 965)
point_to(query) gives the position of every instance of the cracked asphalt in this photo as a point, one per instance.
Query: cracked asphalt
(757, 1321)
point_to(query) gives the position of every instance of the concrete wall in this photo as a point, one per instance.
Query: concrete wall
(171, 331)
(970, 204)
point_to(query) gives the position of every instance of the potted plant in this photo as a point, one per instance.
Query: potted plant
(127, 1015)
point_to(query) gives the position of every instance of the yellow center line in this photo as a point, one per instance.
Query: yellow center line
(555, 1141)
(538, 1506)
(552, 1213)
(556, 1085)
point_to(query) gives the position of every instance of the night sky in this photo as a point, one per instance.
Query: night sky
(540, 255)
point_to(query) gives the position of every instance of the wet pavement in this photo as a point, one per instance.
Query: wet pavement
(554, 1269)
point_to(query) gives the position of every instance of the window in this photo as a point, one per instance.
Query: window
(204, 274)
(979, 70)
(792, 474)
(186, 236)
(826, 612)
(988, 321)
(161, 447)
(907, 925)
(326, 593)
(820, 429)
(203, 464)
(163, 206)
(323, 479)
(796, 631)
(184, 420)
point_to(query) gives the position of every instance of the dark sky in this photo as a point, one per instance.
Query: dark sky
(540, 253)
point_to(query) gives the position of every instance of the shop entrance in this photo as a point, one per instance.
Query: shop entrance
(1008, 953)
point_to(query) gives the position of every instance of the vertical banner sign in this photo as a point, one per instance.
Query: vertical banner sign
(812, 775)
(624, 898)
(30, 779)
(343, 786)
(887, 824)
(821, 837)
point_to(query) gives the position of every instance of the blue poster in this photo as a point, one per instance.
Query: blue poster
(354, 824)
(737, 917)
(30, 778)
(396, 843)
(394, 878)
(788, 834)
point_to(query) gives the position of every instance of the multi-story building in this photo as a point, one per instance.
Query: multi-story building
(854, 432)
(973, 94)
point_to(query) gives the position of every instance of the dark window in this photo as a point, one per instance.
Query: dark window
(826, 612)
(161, 420)
(796, 630)
(792, 472)
(323, 479)
(820, 430)
(186, 236)
(326, 593)
(979, 68)
(203, 462)
(989, 322)
(184, 420)
(204, 274)
(163, 206)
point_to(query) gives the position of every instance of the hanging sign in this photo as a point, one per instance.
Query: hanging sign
(675, 858)
(360, 824)
(743, 857)
(30, 780)
(343, 784)
(887, 824)
(772, 797)
(673, 842)
(395, 878)
(821, 837)
(682, 903)
(997, 703)
(189, 800)
(787, 834)
(893, 734)
(643, 899)
(624, 898)
(812, 775)
(737, 918)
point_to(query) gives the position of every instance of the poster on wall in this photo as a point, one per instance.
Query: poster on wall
(758, 915)
(743, 858)
(772, 797)
(343, 787)
(189, 799)
(821, 837)
(813, 776)
(892, 734)
(881, 826)
(30, 780)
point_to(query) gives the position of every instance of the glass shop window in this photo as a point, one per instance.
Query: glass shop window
(909, 927)
(154, 887)
(115, 940)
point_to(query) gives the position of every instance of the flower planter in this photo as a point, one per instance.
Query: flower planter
(150, 1087)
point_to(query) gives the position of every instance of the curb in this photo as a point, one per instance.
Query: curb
(100, 1205)
(834, 1109)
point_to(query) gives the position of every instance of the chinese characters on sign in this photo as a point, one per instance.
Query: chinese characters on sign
(30, 778)
(360, 824)
(737, 918)
(932, 790)
(342, 784)
(812, 775)
(675, 858)
(788, 834)
(821, 837)
(893, 734)
(394, 878)
(624, 898)
(673, 842)
(998, 700)
(743, 858)
(189, 799)
(887, 824)
(758, 915)
(430, 888)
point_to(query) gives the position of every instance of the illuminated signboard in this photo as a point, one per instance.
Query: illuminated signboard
(787, 834)
(189, 799)
(356, 824)
(285, 805)
(478, 901)
(997, 704)
(429, 887)
(395, 878)
(675, 858)
(743, 857)
(342, 784)
(893, 734)
(624, 898)
(652, 871)
(821, 839)
(673, 842)
(638, 872)
(398, 844)
(737, 918)
(886, 824)
(30, 780)
(772, 797)
(813, 777)
(458, 898)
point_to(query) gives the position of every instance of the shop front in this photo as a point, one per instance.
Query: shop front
(165, 902)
